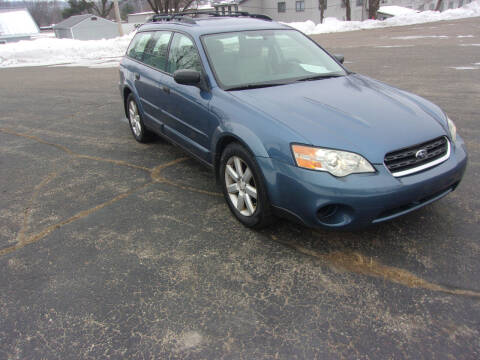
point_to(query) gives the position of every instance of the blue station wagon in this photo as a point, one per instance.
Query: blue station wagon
(288, 130)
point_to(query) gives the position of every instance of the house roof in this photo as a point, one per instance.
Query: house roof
(394, 10)
(142, 13)
(15, 22)
(70, 22)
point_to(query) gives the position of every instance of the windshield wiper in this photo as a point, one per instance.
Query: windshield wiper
(320, 77)
(255, 86)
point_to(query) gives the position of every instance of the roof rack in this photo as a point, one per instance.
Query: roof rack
(188, 17)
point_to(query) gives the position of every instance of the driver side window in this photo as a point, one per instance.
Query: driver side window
(183, 54)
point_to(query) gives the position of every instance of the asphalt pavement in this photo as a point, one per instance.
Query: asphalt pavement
(114, 249)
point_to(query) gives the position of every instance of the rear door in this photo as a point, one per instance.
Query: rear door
(135, 52)
(151, 79)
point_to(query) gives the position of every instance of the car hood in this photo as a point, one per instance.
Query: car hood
(352, 113)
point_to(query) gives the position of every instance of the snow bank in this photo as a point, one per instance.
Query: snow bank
(334, 25)
(53, 51)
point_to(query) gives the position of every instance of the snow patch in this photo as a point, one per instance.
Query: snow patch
(415, 37)
(53, 51)
(395, 10)
(334, 25)
(393, 46)
(464, 67)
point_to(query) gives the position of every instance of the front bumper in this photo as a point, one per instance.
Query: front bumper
(319, 199)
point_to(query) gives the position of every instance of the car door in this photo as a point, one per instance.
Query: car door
(135, 66)
(189, 121)
(150, 81)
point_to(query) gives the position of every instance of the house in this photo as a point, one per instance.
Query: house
(139, 18)
(86, 27)
(16, 25)
(302, 10)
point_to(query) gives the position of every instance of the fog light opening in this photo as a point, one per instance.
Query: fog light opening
(327, 211)
(335, 215)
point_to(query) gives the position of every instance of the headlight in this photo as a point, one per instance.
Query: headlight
(453, 129)
(336, 162)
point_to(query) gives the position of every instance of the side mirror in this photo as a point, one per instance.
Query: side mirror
(340, 58)
(187, 77)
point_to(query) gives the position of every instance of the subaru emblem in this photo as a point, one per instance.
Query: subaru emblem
(421, 154)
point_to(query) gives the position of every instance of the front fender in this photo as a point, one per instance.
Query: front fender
(259, 132)
(243, 135)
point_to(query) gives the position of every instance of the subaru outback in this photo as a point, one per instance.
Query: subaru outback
(287, 129)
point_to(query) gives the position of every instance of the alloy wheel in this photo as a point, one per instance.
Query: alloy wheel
(134, 118)
(241, 187)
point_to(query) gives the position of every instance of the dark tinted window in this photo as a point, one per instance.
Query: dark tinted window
(183, 54)
(155, 53)
(138, 45)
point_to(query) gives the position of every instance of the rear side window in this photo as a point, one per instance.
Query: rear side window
(138, 45)
(155, 54)
(183, 54)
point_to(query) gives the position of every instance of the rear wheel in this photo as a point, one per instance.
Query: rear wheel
(243, 187)
(139, 131)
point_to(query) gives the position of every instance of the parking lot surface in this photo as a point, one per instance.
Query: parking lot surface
(114, 249)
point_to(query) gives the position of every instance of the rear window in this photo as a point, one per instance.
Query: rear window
(138, 45)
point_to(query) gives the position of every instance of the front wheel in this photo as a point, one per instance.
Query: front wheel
(243, 187)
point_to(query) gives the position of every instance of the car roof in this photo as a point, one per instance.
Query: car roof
(211, 25)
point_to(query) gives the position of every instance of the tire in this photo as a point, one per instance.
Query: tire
(245, 194)
(139, 131)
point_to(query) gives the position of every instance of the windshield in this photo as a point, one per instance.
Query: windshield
(266, 57)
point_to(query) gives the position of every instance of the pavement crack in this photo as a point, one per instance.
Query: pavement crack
(26, 213)
(355, 262)
(155, 172)
(74, 154)
(160, 179)
(80, 215)
(22, 240)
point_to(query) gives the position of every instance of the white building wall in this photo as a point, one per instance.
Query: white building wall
(63, 33)
(95, 29)
(139, 18)
(334, 8)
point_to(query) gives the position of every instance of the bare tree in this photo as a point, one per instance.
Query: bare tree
(102, 7)
(322, 5)
(439, 5)
(168, 6)
(39, 12)
(348, 9)
(44, 12)
(373, 6)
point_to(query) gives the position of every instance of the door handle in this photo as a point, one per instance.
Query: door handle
(137, 76)
(166, 89)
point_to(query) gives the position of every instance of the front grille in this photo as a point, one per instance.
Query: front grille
(412, 159)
